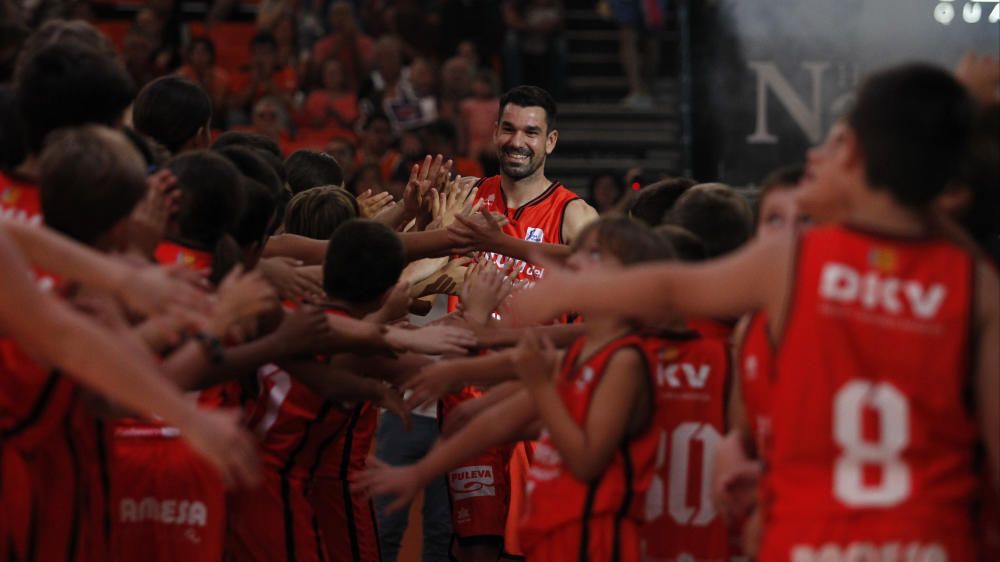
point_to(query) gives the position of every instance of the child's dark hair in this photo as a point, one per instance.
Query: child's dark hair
(307, 169)
(68, 84)
(363, 261)
(689, 248)
(654, 200)
(628, 240)
(318, 212)
(912, 123)
(171, 110)
(783, 178)
(90, 179)
(715, 213)
(213, 197)
(248, 140)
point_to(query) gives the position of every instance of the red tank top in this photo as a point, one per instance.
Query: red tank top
(691, 378)
(554, 497)
(302, 435)
(874, 428)
(756, 364)
(539, 220)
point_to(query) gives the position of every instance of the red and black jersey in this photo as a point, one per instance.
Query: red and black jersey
(690, 375)
(873, 438)
(756, 357)
(20, 199)
(555, 497)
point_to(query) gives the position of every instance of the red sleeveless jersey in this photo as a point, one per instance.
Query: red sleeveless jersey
(554, 497)
(873, 441)
(539, 220)
(691, 379)
(756, 357)
(304, 435)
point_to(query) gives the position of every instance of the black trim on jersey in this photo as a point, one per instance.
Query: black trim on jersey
(319, 540)
(31, 547)
(727, 387)
(286, 485)
(542, 197)
(562, 219)
(320, 453)
(867, 231)
(345, 465)
(74, 530)
(378, 543)
(616, 554)
(37, 409)
(788, 313)
(588, 508)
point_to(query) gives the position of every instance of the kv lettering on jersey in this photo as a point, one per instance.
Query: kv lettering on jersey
(472, 481)
(167, 512)
(877, 292)
(871, 552)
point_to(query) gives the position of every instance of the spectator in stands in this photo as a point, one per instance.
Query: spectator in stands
(467, 50)
(606, 192)
(334, 105)
(138, 54)
(202, 70)
(346, 154)
(411, 151)
(416, 24)
(638, 21)
(347, 43)
(369, 177)
(442, 138)
(285, 28)
(388, 89)
(535, 50)
(376, 144)
(169, 31)
(456, 80)
(269, 119)
(265, 76)
(478, 116)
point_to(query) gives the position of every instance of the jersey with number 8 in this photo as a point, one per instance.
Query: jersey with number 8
(690, 376)
(873, 440)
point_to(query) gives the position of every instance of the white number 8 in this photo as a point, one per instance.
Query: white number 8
(894, 431)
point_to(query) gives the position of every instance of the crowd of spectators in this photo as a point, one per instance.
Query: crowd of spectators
(382, 80)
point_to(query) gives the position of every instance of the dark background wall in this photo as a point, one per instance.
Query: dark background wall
(771, 76)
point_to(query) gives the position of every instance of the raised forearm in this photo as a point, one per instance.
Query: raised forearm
(427, 244)
(332, 383)
(307, 250)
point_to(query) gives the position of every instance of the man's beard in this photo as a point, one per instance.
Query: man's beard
(520, 170)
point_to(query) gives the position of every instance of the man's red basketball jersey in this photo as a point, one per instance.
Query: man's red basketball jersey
(690, 374)
(539, 220)
(873, 438)
(556, 498)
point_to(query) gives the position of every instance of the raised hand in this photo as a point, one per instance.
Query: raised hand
(371, 205)
(397, 304)
(381, 479)
(485, 287)
(431, 383)
(241, 298)
(535, 359)
(393, 401)
(305, 331)
(432, 340)
(291, 279)
(149, 220)
(150, 289)
(480, 231)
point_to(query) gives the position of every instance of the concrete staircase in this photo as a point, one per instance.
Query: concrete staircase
(596, 132)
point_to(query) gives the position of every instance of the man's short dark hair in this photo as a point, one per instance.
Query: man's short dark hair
(171, 110)
(531, 96)
(363, 261)
(913, 124)
(654, 200)
(307, 169)
(68, 84)
(213, 197)
(248, 140)
(715, 213)
(257, 221)
(90, 179)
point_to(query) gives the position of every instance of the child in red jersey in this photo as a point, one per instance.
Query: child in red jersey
(595, 456)
(884, 325)
(737, 463)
